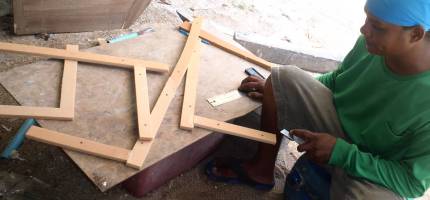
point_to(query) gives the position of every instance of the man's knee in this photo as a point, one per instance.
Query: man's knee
(349, 188)
(290, 75)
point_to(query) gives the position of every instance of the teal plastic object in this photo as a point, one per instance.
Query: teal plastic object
(124, 37)
(17, 141)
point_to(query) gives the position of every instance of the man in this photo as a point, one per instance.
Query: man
(369, 120)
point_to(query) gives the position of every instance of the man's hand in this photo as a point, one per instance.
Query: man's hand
(318, 146)
(254, 86)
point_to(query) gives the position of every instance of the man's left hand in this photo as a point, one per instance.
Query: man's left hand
(318, 146)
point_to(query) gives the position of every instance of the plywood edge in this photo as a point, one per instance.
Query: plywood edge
(77, 144)
(83, 56)
(235, 130)
(190, 92)
(230, 48)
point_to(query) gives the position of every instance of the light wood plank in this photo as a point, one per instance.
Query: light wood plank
(68, 84)
(235, 130)
(172, 84)
(230, 48)
(139, 153)
(189, 101)
(142, 100)
(33, 112)
(77, 144)
(83, 57)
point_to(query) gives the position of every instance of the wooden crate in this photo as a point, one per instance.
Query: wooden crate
(56, 16)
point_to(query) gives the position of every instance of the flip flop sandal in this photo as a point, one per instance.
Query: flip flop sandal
(242, 176)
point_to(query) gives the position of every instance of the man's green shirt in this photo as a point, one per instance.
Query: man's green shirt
(387, 119)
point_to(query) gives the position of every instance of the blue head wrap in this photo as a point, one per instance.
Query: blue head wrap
(401, 12)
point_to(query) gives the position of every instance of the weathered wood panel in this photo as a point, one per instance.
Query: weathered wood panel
(51, 16)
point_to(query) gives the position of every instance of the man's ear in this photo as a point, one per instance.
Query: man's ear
(418, 33)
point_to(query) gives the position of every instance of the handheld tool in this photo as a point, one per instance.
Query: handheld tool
(292, 137)
(130, 35)
(18, 139)
(253, 72)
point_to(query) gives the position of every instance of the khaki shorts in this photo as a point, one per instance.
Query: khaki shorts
(303, 102)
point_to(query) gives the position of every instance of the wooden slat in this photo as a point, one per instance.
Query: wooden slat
(141, 148)
(139, 153)
(83, 57)
(230, 48)
(188, 104)
(77, 144)
(33, 112)
(172, 84)
(68, 84)
(235, 130)
(142, 100)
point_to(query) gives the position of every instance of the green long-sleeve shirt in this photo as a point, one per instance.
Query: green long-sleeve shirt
(387, 118)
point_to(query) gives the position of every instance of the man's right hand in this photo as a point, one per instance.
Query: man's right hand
(253, 86)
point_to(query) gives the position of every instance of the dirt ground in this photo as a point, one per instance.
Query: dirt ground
(40, 171)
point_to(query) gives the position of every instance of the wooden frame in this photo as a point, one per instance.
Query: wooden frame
(71, 56)
(147, 125)
(99, 149)
(150, 121)
(67, 97)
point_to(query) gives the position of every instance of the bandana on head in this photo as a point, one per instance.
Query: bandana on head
(401, 12)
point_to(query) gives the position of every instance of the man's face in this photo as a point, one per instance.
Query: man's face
(384, 39)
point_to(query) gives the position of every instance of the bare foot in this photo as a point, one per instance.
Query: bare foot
(229, 168)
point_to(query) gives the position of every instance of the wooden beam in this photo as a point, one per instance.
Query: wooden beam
(191, 81)
(83, 56)
(142, 100)
(230, 48)
(139, 153)
(235, 130)
(77, 144)
(172, 84)
(68, 84)
(33, 112)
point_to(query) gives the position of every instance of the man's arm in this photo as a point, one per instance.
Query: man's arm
(409, 178)
(327, 79)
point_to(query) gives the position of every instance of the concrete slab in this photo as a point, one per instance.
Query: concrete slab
(281, 53)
